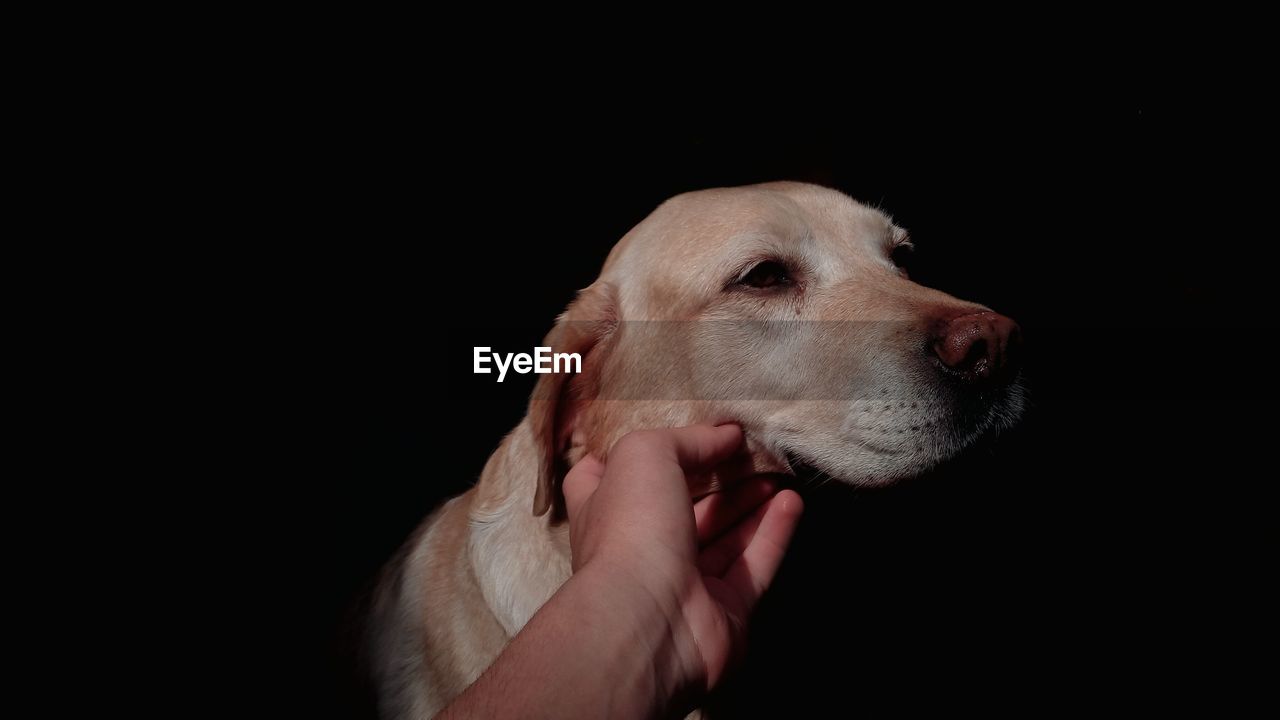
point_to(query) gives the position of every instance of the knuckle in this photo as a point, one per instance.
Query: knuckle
(638, 440)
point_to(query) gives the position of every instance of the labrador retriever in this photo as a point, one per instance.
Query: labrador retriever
(776, 306)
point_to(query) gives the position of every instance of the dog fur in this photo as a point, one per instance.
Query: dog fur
(830, 368)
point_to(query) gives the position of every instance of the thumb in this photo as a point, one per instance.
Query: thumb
(702, 447)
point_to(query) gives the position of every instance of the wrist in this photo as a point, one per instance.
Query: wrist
(647, 620)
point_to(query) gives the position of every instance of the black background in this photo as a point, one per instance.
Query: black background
(1104, 553)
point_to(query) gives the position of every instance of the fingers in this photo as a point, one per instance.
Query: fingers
(716, 559)
(702, 447)
(751, 573)
(580, 483)
(696, 448)
(717, 512)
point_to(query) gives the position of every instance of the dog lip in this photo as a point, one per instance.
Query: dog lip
(802, 469)
(797, 462)
(793, 461)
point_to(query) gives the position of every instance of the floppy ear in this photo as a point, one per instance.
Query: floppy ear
(583, 329)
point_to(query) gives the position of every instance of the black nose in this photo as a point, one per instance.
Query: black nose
(979, 347)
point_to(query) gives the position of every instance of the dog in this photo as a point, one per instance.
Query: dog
(779, 307)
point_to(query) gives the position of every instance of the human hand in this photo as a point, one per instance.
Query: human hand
(698, 567)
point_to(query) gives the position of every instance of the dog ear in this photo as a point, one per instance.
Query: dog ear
(583, 328)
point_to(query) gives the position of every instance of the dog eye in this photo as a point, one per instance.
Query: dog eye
(767, 274)
(901, 257)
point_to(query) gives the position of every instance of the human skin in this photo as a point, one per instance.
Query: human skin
(662, 588)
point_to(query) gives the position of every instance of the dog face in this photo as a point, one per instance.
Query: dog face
(779, 307)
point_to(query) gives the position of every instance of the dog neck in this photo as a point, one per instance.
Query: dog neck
(519, 559)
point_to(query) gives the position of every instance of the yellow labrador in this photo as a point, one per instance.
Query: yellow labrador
(776, 306)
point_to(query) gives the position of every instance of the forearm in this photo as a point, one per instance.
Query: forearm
(619, 658)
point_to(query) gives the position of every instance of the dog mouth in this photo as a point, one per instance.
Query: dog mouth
(801, 464)
(907, 448)
(805, 471)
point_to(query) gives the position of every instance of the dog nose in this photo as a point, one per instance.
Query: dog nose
(979, 347)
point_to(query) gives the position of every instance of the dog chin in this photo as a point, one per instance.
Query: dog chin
(855, 471)
(862, 463)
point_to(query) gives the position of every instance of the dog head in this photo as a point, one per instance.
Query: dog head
(779, 307)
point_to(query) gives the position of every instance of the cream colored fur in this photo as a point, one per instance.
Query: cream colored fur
(830, 371)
